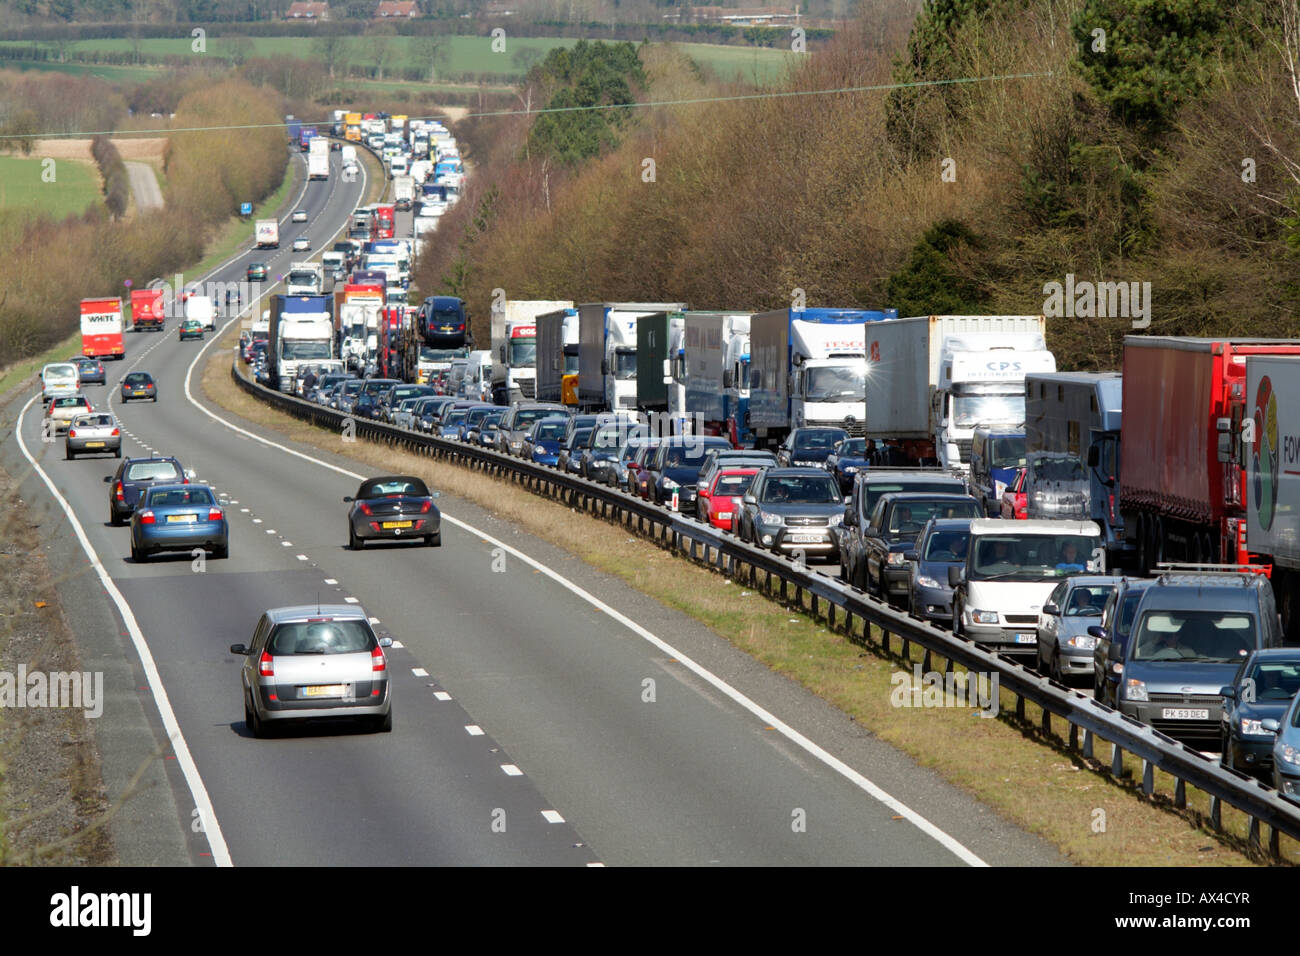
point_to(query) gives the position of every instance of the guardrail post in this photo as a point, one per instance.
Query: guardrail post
(1074, 736)
(1087, 745)
(1116, 760)
(884, 640)
(1216, 813)
(1180, 793)
(1274, 843)
(907, 647)
(1020, 707)
(1148, 777)
(1046, 721)
(1253, 839)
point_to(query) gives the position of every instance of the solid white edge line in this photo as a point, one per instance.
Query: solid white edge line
(211, 826)
(921, 823)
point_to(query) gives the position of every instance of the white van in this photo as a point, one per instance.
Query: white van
(1011, 568)
(478, 376)
(59, 378)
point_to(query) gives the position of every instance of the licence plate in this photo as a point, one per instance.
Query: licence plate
(724, 515)
(323, 690)
(1026, 638)
(1185, 713)
(396, 524)
(182, 518)
(138, 393)
(805, 538)
(94, 444)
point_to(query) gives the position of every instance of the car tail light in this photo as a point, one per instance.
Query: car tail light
(424, 508)
(117, 492)
(365, 508)
(377, 660)
(215, 514)
(72, 433)
(146, 517)
(116, 433)
(266, 665)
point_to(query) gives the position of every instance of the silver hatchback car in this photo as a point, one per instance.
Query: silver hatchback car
(315, 662)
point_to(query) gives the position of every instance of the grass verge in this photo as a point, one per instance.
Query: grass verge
(1027, 776)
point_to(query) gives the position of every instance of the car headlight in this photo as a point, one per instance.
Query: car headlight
(1254, 728)
(767, 517)
(670, 485)
(896, 557)
(1290, 755)
(1085, 642)
(835, 520)
(850, 469)
(1135, 690)
(926, 582)
(984, 617)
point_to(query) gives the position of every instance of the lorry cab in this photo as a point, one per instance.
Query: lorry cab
(997, 453)
(1011, 569)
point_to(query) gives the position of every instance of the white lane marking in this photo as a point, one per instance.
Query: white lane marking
(257, 521)
(551, 816)
(398, 644)
(270, 531)
(289, 544)
(202, 802)
(441, 695)
(331, 581)
(242, 511)
(301, 557)
(511, 770)
(351, 600)
(596, 864)
(374, 620)
(419, 672)
(474, 730)
(950, 843)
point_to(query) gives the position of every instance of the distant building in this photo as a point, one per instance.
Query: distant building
(740, 16)
(494, 8)
(307, 11)
(396, 11)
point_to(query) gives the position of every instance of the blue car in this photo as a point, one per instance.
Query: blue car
(544, 439)
(179, 517)
(1262, 689)
(1286, 750)
(845, 461)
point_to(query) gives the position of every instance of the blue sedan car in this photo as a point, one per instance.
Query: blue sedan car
(1262, 688)
(181, 517)
(543, 442)
(847, 459)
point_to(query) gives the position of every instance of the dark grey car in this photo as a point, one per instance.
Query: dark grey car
(941, 545)
(519, 418)
(792, 509)
(394, 508)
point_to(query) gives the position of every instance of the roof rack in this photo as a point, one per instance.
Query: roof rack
(1172, 567)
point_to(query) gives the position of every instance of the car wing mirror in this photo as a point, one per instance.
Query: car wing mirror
(956, 575)
(909, 555)
(749, 500)
(1228, 691)
(1052, 610)
(348, 499)
(385, 642)
(1097, 631)
(1269, 724)
(239, 649)
(436, 494)
(107, 479)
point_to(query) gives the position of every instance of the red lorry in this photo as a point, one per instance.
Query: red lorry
(1183, 491)
(101, 329)
(381, 226)
(147, 309)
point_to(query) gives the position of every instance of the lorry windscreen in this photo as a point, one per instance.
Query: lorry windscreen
(1030, 557)
(624, 363)
(971, 410)
(836, 383)
(301, 351)
(523, 352)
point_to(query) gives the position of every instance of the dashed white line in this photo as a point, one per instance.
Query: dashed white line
(398, 644)
(550, 816)
(301, 557)
(441, 695)
(374, 620)
(257, 521)
(511, 770)
(286, 544)
(351, 600)
(474, 730)
(419, 672)
(331, 581)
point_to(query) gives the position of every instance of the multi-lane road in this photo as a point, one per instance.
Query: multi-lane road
(523, 732)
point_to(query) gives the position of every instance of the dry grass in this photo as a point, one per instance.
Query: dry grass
(130, 147)
(1028, 778)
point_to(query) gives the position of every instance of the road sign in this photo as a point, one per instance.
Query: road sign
(245, 208)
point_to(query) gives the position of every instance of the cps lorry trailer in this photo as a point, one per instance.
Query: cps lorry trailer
(1270, 448)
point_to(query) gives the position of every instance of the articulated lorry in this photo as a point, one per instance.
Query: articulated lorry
(403, 192)
(301, 330)
(557, 353)
(148, 310)
(356, 322)
(717, 373)
(514, 347)
(1079, 414)
(934, 379)
(1269, 447)
(658, 347)
(101, 328)
(268, 234)
(808, 367)
(1185, 490)
(305, 278)
(607, 352)
(318, 159)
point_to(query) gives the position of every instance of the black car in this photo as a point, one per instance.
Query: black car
(1116, 624)
(139, 385)
(389, 400)
(675, 468)
(941, 545)
(809, 446)
(429, 412)
(570, 459)
(518, 419)
(133, 477)
(1262, 689)
(846, 459)
(370, 399)
(792, 510)
(600, 453)
(875, 558)
(394, 507)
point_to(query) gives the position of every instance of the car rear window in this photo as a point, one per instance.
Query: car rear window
(412, 487)
(138, 378)
(321, 637)
(162, 497)
(93, 421)
(875, 489)
(153, 471)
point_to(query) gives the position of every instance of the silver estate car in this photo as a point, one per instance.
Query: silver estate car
(315, 662)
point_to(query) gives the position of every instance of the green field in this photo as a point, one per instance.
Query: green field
(75, 187)
(121, 74)
(464, 54)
